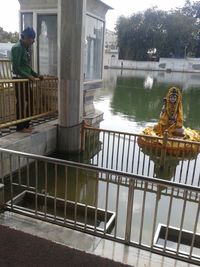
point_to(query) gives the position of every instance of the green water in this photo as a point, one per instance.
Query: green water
(130, 100)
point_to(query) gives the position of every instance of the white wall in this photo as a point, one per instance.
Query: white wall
(165, 64)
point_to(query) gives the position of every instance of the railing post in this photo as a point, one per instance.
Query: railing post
(129, 211)
(163, 150)
(83, 136)
(2, 200)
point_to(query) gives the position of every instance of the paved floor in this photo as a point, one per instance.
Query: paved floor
(19, 249)
(91, 244)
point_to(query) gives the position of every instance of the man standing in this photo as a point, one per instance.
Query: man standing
(21, 63)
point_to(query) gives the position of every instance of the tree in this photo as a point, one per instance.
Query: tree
(179, 29)
(173, 33)
(193, 10)
(6, 37)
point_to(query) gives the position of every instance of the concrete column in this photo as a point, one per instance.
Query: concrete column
(71, 41)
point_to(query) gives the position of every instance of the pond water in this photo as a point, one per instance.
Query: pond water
(130, 100)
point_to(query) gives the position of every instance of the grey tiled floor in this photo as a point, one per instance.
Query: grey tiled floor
(88, 243)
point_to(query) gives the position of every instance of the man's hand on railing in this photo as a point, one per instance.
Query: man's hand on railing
(49, 77)
(32, 78)
(41, 77)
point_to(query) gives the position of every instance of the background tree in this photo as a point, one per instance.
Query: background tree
(193, 10)
(179, 37)
(6, 37)
(171, 34)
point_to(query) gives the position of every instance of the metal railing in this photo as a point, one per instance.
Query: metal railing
(5, 69)
(22, 100)
(148, 213)
(170, 159)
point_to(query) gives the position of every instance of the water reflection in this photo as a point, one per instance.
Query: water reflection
(128, 106)
(165, 171)
(185, 80)
(148, 82)
(128, 98)
(70, 183)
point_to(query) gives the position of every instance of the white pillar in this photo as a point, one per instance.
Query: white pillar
(71, 36)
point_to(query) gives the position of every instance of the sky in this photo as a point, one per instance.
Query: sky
(9, 10)
(128, 7)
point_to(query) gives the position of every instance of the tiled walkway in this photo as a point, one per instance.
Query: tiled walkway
(91, 244)
(19, 249)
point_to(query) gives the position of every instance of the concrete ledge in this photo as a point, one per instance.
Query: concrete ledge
(42, 141)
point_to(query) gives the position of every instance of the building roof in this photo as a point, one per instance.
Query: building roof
(107, 6)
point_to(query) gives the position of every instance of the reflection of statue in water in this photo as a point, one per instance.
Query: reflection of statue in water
(165, 152)
(165, 172)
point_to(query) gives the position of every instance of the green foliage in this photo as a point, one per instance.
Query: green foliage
(6, 37)
(173, 33)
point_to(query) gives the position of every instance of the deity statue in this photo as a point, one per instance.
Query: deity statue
(170, 125)
(171, 116)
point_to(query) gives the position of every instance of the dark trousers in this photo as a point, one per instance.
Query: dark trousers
(24, 96)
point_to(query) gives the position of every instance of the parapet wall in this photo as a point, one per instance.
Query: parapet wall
(164, 64)
(43, 141)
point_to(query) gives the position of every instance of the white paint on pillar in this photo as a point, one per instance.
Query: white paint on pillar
(71, 36)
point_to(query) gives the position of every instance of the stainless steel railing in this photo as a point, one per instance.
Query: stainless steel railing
(171, 159)
(149, 213)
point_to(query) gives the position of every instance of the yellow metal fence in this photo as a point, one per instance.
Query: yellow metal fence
(5, 69)
(23, 100)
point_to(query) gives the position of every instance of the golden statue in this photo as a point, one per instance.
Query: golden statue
(171, 116)
(170, 125)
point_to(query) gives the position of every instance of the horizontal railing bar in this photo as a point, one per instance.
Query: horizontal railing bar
(49, 78)
(50, 217)
(100, 169)
(69, 223)
(151, 190)
(24, 186)
(7, 124)
(13, 81)
(17, 80)
(86, 127)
